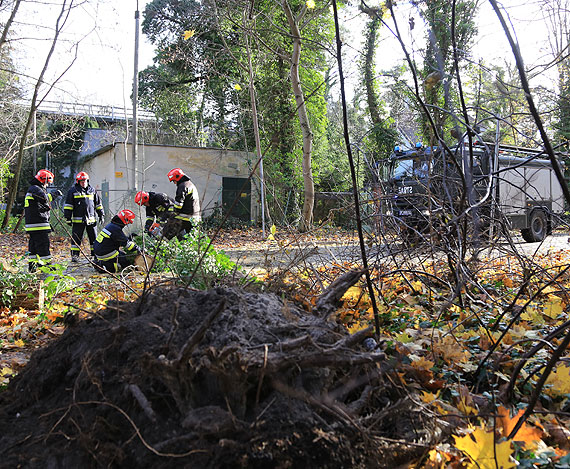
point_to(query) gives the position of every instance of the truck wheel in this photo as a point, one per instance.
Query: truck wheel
(538, 227)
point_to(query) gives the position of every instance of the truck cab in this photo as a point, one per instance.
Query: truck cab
(426, 187)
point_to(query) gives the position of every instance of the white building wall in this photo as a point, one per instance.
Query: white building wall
(205, 166)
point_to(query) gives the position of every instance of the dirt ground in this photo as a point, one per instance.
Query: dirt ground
(222, 378)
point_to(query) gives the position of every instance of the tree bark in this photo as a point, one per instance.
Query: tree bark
(308, 183)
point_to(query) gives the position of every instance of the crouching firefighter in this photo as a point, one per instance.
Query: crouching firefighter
(82, 204)
(37, 208)
(157, 206)
(111, 239)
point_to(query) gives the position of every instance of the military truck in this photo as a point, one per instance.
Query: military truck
(510, 185)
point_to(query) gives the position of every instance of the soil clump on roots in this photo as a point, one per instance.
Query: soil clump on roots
(222, 378)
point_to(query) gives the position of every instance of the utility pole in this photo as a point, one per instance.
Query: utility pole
(35, 150)
(135, 101)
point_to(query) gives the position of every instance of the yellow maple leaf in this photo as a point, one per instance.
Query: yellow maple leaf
(451, 351)
(19, 343)
(404, 338)
(357, 326)
(417, 285)
(428, 397)
(559, 381)
(189, 33)
(6, 371)
(484, 451)
(238, 88)
(464, 407)
(527, 434)
(532, 315)
(553, 308)
(423, 364)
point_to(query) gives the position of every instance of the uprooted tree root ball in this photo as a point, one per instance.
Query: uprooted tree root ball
(220, 378)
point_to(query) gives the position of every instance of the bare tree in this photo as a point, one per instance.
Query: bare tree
(62, 19)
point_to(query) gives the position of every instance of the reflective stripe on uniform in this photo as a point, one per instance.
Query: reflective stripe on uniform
(37, 226)
(82, 196)
(40, 259)
(68, 207)
(89, 221)
(183, 216)
(130, 246)
(109, 256)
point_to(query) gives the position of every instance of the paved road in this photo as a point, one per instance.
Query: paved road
(264, 256)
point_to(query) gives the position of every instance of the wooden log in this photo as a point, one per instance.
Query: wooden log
(144, 263)
(5, 265)
(329, 301)
(30, 300)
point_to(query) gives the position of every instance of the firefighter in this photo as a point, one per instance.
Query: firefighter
(157, 206)
(185, 212)
(108, 244)
(37, 208)
(81, 206)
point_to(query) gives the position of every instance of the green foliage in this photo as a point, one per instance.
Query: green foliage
(181, 259)
(13, 283)
(12, 222)
(216, 218)
(65, 139)
(439, 59)
(56, 281)
(5, 174)
(191, 86)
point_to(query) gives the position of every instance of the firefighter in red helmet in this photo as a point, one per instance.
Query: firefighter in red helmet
(37, 208)
(185, 212)
(157, 206)
(110, 242)
(82, 206)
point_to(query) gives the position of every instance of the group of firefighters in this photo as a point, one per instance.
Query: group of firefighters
(111, 249)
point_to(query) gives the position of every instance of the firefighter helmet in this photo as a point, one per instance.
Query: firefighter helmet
(82, 176)
(126, 216)
(141, 198)
(44, 176)
(175, 174)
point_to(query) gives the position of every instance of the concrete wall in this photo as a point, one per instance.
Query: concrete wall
(205, 166)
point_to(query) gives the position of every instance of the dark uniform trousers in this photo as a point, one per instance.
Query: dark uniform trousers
(38, 248)
(77, 236)
(116, 264)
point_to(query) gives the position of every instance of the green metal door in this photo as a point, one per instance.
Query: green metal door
(240, 189)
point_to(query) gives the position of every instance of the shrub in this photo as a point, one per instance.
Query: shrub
(12, 222)
(181, 259)
(13, 282)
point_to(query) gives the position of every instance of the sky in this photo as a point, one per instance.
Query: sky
(104, 32)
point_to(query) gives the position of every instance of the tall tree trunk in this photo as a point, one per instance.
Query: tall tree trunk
(371, 34)
(8, 24)
(308, 183)
(61, 20)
